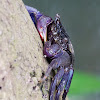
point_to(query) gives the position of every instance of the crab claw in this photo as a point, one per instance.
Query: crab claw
(41, 21)
(42, 24)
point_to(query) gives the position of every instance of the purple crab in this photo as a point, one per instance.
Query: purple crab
(58, 48)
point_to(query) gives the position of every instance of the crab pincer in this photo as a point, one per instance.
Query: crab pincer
(41, 21)
(58, 48)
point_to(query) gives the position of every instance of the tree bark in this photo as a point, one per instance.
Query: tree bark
(21, 56)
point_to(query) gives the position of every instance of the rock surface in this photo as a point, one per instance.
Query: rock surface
(21, 56)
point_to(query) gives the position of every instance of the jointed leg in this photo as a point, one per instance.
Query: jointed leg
(54, 82)
(53, 65)
(70, 75)
(62, 84)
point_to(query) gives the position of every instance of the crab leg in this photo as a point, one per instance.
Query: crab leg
(66, 81)
(62, 84)
(34, 13)
(53, 65)
(70, 75)
(54, 82)
(62, 60)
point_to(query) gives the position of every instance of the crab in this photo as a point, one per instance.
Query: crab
(58, 48)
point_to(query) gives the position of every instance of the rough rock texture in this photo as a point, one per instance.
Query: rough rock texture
(21, 57)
